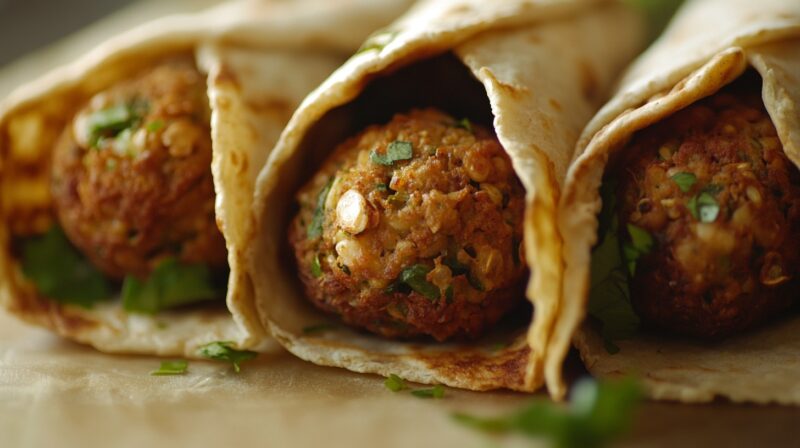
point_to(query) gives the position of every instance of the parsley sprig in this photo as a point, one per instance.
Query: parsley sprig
(597, 414)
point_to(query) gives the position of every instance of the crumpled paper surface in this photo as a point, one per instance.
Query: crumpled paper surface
(54, 393)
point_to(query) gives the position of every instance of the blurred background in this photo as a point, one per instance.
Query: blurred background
(38, 35)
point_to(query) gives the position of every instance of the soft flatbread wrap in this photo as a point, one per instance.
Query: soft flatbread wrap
(679, 214)
(405, 221)
(127, 176)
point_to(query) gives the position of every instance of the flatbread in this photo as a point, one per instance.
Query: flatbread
(541, 72)
(261, 59)
(692, 60)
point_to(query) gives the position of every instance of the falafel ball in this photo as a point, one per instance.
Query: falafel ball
(414, 228)
(713, 187)
(131, 177)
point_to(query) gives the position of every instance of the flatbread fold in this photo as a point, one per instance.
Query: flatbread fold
(261, 59)
(709, 44)
(541, 72)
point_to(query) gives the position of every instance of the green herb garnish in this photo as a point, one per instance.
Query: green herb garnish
(109, 122)
(395, 151)
(382, 187)
(703, 206)
(609, 296)
(171, 284)
(464, 123)
(641, 244)
(223, 351)
(60, 272)
(314, 230)
(684, 180)
(155, 125)
(318, 328)
(394, 383)
(434, 392)
(596, 415)
(415, 277)
(171, 368)
(316, 267)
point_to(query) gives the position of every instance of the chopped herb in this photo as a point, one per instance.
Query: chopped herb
(60, 272)
(394, 383)
(596, 415)
(684, 180)
(222, 351)
(319, 328)
(316, 268)
(314, 230)
(112, 120)
(170, 284)
(155, 125)
(464, 123)
(382, 187)
(434, 392)
(171, 368)
(703, 206)
(609, 296)
(415, 277)
(395, 151)
(377, 41)
(641, 244)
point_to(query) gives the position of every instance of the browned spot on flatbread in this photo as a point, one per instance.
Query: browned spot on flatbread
(484, 371)
(590, 86)
(271, 104)
(510, 89)
(554, 104)
(226, 76)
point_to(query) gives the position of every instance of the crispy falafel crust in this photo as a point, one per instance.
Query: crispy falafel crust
(712, 278)
(132, 199)
(454, 205)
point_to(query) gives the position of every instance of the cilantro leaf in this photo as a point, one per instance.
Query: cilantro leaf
(596, 415)
(314, 230)
(223, 351)
(171, 368)
(171, 284)
(395, 151)
(434, 392)
(415, 277)
(684, 180)
(609, 295)
(316, 268)
(114, 119)
(60, 272)
(464, 123)
(394, 383)
(155, 125)
(703, 206)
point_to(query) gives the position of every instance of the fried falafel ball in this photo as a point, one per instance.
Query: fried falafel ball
(414, 228)
(721, 200)
(131, 177)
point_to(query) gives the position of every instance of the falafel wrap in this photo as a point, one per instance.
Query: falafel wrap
(127, 176)
(405, 221)
(681, 214)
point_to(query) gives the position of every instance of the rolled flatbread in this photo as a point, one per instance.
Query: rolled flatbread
(698, 149)
(421, 167)
(127, 176)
